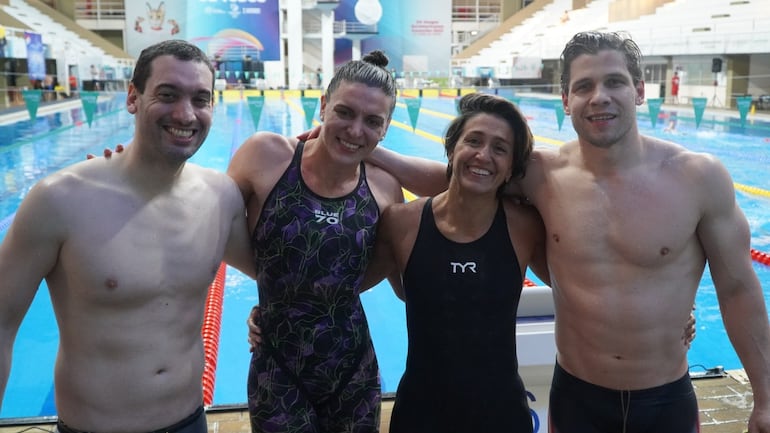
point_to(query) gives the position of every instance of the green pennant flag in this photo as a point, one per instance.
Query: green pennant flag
(699, 106)
(88, 99)
(558, 107)
(32, 99)
(255, 106)
(744, 104)
(653, 105)
(309, 104)
(413, 107)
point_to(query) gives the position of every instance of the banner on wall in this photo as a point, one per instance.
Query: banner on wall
(153, 21)
(406, 30)
(222, 28)
(230, 30)
(35, 55)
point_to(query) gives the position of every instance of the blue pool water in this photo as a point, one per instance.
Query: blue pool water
(32, 150)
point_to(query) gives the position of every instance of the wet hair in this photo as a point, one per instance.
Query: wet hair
(592, 43)
(181, 50)
(370, 71)
(474, 104)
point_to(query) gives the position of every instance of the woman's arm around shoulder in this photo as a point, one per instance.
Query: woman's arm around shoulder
(421, 176)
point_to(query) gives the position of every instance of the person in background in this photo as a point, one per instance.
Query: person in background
(128, 247)
(73, 84)
(675, 88)
(313, 208)
(462, 256)
(631, 222)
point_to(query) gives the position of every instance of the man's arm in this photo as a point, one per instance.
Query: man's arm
(725, 236)
(238, 253)
(27, 254)
(422, 176)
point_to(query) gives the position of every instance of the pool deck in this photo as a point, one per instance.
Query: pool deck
(725, 405)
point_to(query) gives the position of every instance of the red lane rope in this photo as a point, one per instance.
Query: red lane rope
(760, 257)
(212, 323)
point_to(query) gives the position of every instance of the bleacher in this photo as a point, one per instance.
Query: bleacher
(59, 38)
(680, 27)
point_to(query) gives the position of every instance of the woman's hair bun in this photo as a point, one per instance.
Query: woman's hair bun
(377, 58)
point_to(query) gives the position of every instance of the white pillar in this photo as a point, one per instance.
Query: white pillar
(327, 47)
(295, 49)
(356, 55)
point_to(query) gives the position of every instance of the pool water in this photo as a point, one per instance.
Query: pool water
(32, 150)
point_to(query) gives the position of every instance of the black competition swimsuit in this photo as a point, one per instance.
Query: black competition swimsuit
(461, 368)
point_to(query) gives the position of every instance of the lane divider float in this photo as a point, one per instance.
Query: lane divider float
(212, 324)
(760, 257)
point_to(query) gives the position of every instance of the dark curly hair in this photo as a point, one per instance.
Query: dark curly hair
(474, 104)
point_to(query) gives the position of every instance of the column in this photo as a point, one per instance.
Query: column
(295, 48)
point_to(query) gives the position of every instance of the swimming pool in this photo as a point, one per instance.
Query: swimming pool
(31, 150)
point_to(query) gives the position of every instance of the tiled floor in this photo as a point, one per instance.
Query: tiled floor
(725, 404)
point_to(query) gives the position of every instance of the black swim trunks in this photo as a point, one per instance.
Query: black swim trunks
(577, 406)
(195, 423)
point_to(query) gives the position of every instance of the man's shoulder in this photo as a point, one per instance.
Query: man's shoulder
(668, 151)
(85, 172)
(214, 178)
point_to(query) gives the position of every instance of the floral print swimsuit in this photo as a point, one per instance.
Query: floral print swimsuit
(316, 369)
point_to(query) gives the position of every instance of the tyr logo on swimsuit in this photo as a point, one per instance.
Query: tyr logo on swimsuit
(460, 268)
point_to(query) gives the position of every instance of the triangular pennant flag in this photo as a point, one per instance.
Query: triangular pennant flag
(309, 104)
(32, 99)
(653, 106)
(744, 104)
(558, 107)
(255, 106)
(413, 107)
(88, 99)
(699, 106)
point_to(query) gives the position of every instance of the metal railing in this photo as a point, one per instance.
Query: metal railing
(100, 10)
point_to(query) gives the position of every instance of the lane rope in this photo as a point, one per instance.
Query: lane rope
(212, 324)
